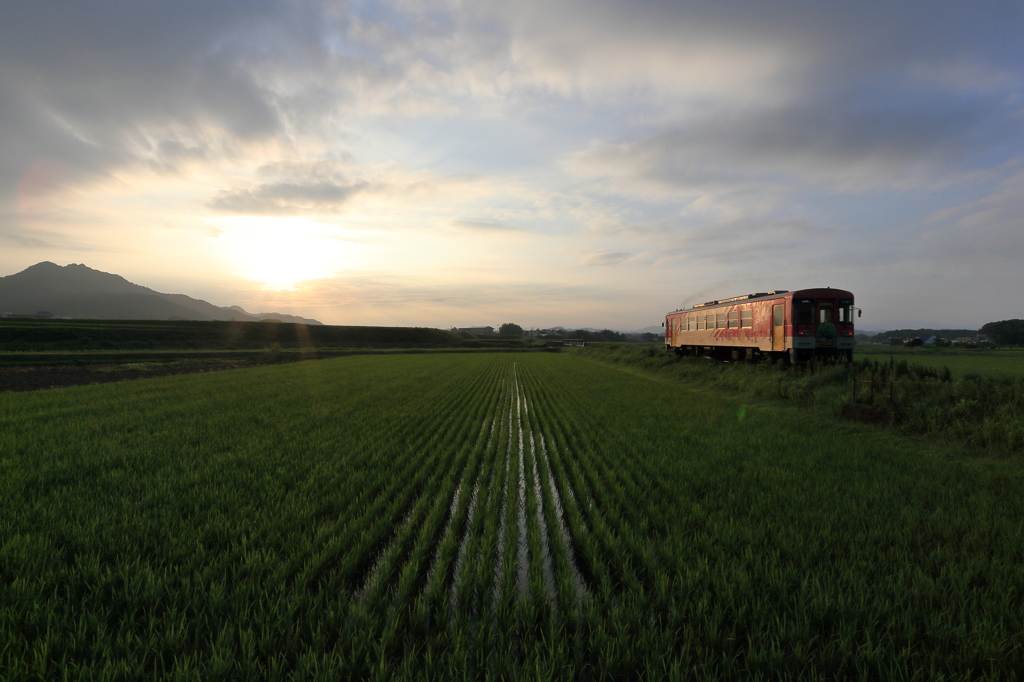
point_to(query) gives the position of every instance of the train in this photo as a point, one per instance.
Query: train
(797, 327)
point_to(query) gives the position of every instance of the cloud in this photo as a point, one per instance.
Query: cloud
(673, 140)
(735, 243)
(109, 85)
(604, 257)
(827, 145)
(49, 241)
(484, 226)
(287, 198)
(981, 232)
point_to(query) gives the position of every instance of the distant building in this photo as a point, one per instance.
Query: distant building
(971, 340)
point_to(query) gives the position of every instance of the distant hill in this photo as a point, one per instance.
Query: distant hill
(78, 291)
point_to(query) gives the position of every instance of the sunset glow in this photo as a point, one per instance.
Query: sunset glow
(280, 254)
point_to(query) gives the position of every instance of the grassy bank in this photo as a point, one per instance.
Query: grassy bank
(982, 412)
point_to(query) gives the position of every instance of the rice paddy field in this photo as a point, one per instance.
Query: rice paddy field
(491, 516)
(1000, 362)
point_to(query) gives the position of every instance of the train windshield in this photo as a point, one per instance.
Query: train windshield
(845, 310)
(803, 311)
(825, 311)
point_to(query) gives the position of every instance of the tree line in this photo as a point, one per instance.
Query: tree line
(512, 329)
(1003, 333)
(1006, 332)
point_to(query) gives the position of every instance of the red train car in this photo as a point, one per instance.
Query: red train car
(797, 326)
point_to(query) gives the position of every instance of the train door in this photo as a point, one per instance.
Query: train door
(826, 331)
(778, 327)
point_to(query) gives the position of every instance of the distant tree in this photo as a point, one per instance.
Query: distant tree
(884, 337)
(915, 342)
(510, 329)
(1006, 332)
(603, 335)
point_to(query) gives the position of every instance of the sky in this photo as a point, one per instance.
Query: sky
(585, 164)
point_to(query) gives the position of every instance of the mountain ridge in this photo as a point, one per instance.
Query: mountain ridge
(78, 291)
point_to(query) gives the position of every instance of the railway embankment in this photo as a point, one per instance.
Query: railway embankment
(983, 412)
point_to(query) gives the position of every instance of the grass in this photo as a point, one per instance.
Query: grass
(1001, 362)
(491, 516)
(985, 413)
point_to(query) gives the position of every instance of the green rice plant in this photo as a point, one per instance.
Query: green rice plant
(529, 516)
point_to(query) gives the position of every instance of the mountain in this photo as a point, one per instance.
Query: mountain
(79, 291)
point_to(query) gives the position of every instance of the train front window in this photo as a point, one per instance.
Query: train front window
(845, 311)
(803, 311)
(825, 311)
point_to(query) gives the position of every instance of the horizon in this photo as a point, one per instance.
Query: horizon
(653, 328)
(422, 164)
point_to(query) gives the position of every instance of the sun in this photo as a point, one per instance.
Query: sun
(281, 253)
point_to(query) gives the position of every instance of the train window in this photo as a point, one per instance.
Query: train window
(746, 318)
(700, 322)
(825, 311)
(691, 323)
(734, 320)
(803, 311)
(720, 320)
(845, 311)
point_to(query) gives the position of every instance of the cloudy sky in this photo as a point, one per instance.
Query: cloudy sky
(577, 163)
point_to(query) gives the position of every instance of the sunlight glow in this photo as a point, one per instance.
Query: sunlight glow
(280, 253)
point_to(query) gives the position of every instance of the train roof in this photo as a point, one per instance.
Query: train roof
(775, 293)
